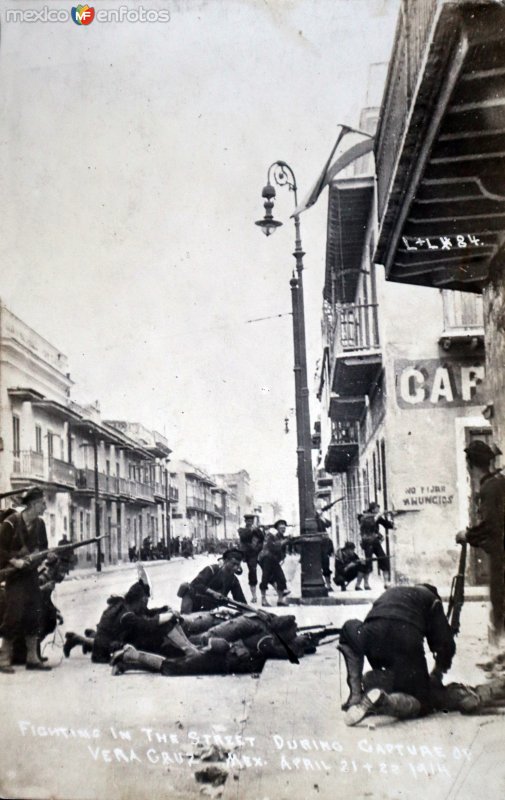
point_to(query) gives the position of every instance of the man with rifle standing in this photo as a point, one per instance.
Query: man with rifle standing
(21, 534)
(488, 532)
(251, 542)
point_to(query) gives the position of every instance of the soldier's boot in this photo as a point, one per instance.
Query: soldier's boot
(387, 580)
(39, 651)
(264, 601)
(367, 582)
(399, 705)
(131, 658)
(359, 581)
(281, 598)
(178, 638)
(6, 654)
(73, 639)
(354, 666)
(32, 656)
(327, 579)
(254, 596)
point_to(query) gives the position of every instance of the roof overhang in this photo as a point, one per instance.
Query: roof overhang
(56, 408)
(440, 147)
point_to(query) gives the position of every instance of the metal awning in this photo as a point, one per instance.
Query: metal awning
(440, 146)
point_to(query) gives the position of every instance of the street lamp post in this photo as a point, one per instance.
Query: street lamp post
(312, 579)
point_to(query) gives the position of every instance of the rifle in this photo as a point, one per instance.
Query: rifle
(329, 505)
(457, 596)
(12, 493)
(34, 558)
(262, 615)
(319, 632)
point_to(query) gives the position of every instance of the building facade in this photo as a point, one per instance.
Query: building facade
(202, 506)
(106, 478)
(401, 386)
(238, 485)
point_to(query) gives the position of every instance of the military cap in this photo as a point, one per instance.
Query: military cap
(233, 552)
(31, 494)
(249, 516)
(136, 592)
(350, 544)
(280, 522)
(479, 448)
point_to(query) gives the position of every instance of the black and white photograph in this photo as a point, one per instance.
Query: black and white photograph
(252, 399)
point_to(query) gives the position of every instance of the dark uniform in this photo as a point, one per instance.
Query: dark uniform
(120, 624)
(392, 637)
(348, 565)
(22, 591)
(212, 577)
(372, 538)
(270, 559)
(488, 534)
(251, 543)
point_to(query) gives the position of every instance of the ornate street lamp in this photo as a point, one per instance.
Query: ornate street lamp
(312, 580)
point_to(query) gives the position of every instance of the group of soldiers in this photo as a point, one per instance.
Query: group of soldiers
(215, 630)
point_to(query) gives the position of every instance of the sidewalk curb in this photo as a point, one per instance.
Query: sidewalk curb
(82, 573)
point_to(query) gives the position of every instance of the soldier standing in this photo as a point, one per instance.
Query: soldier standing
(488, 533)
(270, 559)
(251, 542)
(371, 541)
(21, 534)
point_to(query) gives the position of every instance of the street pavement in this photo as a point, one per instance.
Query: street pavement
(79, 732)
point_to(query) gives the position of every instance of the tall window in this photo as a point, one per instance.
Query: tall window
(50, 444)
(16, 439)
(38, 439)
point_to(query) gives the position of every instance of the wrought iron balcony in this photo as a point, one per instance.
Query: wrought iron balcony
(27, 464)
(343, 447)
(61, 472)
(356, 354)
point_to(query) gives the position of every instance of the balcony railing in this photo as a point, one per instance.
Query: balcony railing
(356, 327)
(196, 502)
(61, 472)
(344, 433)
(412, 32)
(173, 493)
(29, 464)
